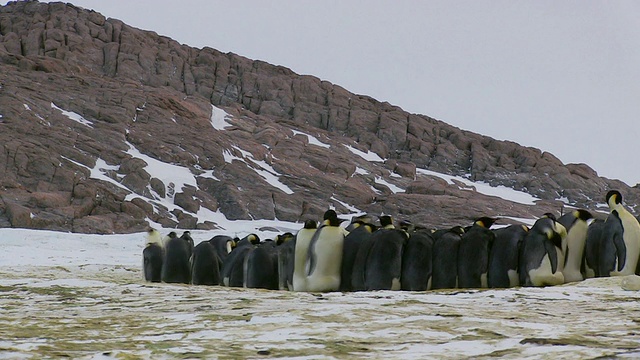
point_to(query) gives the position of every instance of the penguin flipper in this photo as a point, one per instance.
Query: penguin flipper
(310, 265)
(550, 248)
(621, 250)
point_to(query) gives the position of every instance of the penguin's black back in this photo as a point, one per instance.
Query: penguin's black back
(152, 262)
(205, 266)
(504, 255)
(351, 246)
(176, 267)
(473, 256)
(445, 261)
(384, 263)
(261, 267)
(417, 261)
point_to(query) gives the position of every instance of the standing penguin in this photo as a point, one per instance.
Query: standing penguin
(445, 258)
(630, 233)
(302, 241)
(359, 267)
(286, 252)
(233, 268)
(152, 256)
(503, 258)
(205, 265)
(612, 250)
(384, 263)
(592, 249)
(576, 224)
(417, 261)
(176, 267)
(359, 234)
(324, 257)
(542, 254)
(473, 254)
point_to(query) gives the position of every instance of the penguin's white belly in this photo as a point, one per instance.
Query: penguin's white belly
(631, 237)
(514, 278)
(542, 276)
(575, 241)
(300, 259)
(325, 276)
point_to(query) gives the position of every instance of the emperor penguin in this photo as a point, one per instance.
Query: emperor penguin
(324, 256)
(359, 267)
(301, 248)
(417, 261)
(576, 224)
(592, 249)
(152, 256)
(359, 234)
(504, 255)
(612, 251)
(473, 254)
(176, 267)
(285, 253)
(384, 264)
(445, 258)
(630, 234)
(261, 267)
(205, 264)
(233, 268)
(542, 258)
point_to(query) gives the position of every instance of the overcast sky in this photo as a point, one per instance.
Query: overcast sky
(562, 76)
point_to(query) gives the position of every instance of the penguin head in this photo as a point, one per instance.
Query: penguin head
(172, 235)
(253, 238)
(283, 238)
(613, 198)
(235, 242)
(370, 227)
(554, 236)
(310, 224)
(549, 215)
(386, 221)
(230, 245)
(582, 214)
(485, 221)
(457, 230)
(407, 226)
(331, 218)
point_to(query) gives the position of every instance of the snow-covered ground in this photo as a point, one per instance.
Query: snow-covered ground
(82, 296)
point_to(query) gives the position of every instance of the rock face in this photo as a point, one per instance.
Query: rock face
(90, 108)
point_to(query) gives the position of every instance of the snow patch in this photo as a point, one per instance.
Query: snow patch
(484, 188)
(312, 139)
(394, 189)
(73, 116)
(219, 118)
(369, 155)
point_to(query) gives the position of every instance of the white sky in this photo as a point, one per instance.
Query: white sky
(560, 76)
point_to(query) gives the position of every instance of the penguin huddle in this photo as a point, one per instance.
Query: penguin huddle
(363, 256)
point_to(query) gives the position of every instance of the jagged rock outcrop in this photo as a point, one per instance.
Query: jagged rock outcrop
(90, 107)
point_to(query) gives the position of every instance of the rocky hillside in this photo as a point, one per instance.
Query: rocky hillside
(91, 108)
